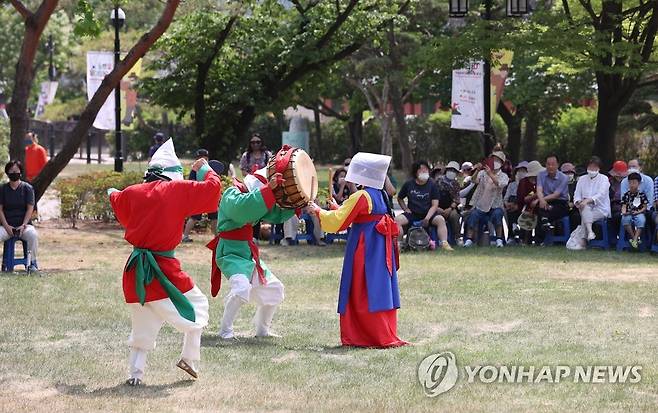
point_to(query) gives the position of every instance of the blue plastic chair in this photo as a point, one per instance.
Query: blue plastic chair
(624, 244)
(604, 242)
(330, 238)
(563, 237)
(9, 261)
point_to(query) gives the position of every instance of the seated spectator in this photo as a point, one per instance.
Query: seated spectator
(646, 186)
(291, 226)
(633, 206)
(16, 206)
(158, 140)
(422, 203)
(526, 196)
(467, 191)
(449, 199)
(255, 157)
(617, 174)
(569, 170)
(512, 210)
(488, 199)
(553, 195)
(592, 196)
(340, 188)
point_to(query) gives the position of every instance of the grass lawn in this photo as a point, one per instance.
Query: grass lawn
(63, 336)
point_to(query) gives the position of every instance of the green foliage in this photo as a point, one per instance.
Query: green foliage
(571, 137)
(4, 142)
(335, 140)
(86, 22)
(85, 196)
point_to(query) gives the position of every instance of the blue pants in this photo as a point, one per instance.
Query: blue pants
(635, 220)
(478, 218)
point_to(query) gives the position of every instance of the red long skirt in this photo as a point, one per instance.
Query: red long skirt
(358, 326)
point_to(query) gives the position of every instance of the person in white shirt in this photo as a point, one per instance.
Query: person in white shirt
(592, 196)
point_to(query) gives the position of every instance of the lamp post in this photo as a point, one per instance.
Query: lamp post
(118, 18)
(50, 48)
(515, 8)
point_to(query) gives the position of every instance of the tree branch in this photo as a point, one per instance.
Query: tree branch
(21, 9)
(587, 5)
(55, 165)
(340, 19)
(412, 85)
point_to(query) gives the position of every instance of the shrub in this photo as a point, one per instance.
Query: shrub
(571, 137)
(85, 196)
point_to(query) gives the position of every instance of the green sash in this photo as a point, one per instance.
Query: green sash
(147, 268)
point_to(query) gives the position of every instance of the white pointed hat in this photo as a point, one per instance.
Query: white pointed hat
(166, 158)
(368, 169)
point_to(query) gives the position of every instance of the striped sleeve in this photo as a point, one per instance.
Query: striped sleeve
(359, 203)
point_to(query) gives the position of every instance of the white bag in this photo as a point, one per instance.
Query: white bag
(577, 240)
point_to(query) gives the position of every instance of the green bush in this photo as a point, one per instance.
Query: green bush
(4, 142)
(85, 196)
(571, 137)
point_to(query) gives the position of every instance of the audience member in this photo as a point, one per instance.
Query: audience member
(449, 199)
(36, 156)
(255, 157)
(617, 174)
(592, 196)
(553, 195)
(634, 204)
(510, 199)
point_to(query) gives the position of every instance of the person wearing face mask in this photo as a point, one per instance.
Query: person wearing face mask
(16, 206)
(617, 174)
(487, 200)
(569, 170)
(449, 199)
(512, 210)
(422, 203)
(592, 196)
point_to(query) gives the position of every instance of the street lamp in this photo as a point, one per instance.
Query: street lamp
(515, 8)
(118, 18)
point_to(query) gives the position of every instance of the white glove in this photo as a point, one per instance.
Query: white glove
(110, 191)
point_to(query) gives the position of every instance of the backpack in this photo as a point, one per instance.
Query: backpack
(417, 239)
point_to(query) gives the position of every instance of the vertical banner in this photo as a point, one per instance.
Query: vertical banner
(501, 61)
(468, 98)
(100, 64)
(46, 97)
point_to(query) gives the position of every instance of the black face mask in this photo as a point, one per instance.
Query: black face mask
(14, 176)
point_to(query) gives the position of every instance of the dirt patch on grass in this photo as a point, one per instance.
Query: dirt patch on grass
(487, 328)
(26, 388)
(646, 311)
(628, 274)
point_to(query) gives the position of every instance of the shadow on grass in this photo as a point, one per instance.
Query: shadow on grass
(213, 340)
(121, 390)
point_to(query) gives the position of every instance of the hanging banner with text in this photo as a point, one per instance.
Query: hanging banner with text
(46, 97)
(100, 64)
(502, 60)
(468, 98)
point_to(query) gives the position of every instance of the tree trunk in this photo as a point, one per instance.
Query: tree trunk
(401, 122)
(17, 109)
(607, 117)
(111, 80)
(385, 121)
(318, 135)
(531, 135)
(355, 128)
(513, 123)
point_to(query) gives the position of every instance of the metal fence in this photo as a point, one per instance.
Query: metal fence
(53, 136)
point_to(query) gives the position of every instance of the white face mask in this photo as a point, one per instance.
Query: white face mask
(451, 175)
(592, 173)
(497, 165)
(423, 177)
(520, 175)
(633, 170)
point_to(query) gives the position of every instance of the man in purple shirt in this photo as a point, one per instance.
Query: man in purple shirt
(553, 194)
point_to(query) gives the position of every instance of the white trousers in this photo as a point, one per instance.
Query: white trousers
(30, 235)
(589, 215)
(266, 297)
(290, 227)
(149, 318)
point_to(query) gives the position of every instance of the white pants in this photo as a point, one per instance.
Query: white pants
(266, 297)
(589, 215)
(290, 227)
(149, 318)
(30, 235)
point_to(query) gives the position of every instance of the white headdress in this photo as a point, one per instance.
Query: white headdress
(368, 169)
(165, 158)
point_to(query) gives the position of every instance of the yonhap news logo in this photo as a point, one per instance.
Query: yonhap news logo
(439, 372)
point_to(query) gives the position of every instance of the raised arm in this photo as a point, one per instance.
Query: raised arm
(358, 203)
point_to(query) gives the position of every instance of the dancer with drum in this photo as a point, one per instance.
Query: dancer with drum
(369, 296)
(235, 253)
